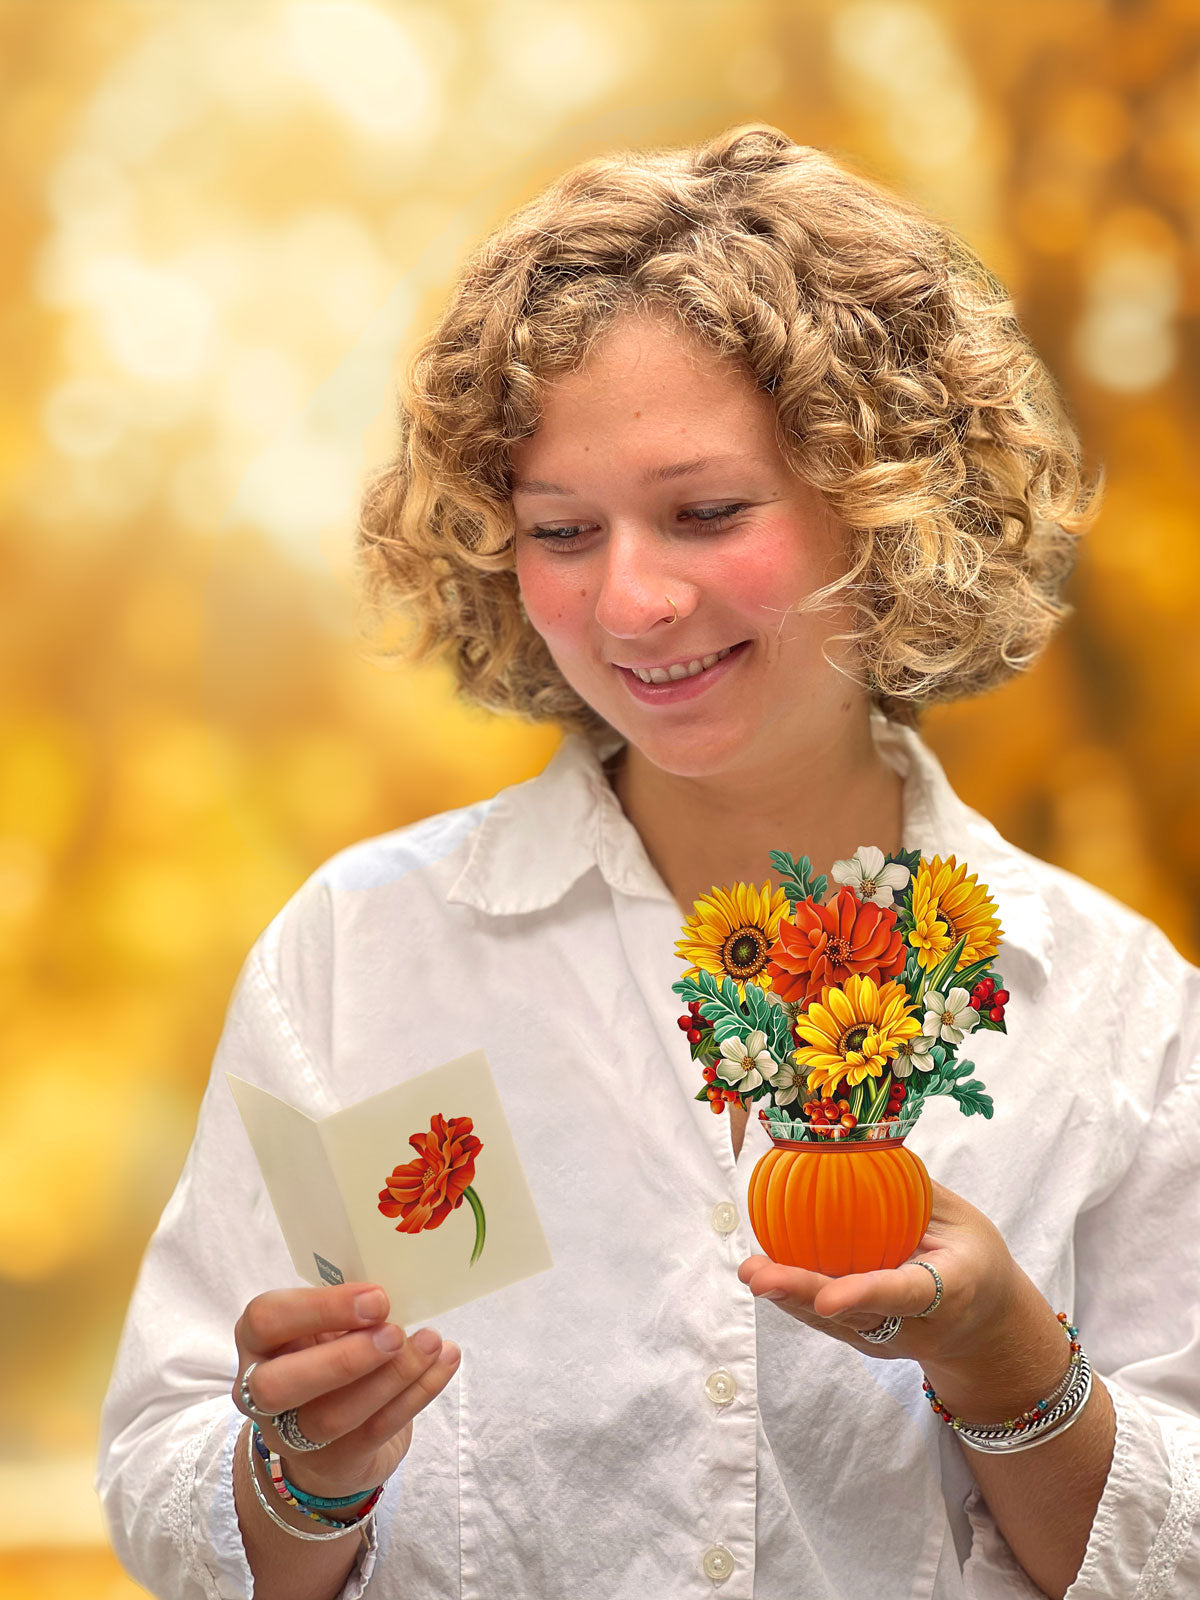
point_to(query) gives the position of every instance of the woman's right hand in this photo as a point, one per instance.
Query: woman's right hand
(355, 1381)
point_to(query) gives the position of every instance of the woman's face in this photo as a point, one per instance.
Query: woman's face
(614, 514)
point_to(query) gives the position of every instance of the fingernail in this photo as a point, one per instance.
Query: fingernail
(371, 1306)
(450, 1354)
(427, 1341)
(774, 1294)
(389, 1337)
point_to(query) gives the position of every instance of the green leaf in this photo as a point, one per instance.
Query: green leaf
(796, 877)
(906, 858)
(952, 1070)
(878, 1097)
(944, 971)
(970, 976)
(971, 1098)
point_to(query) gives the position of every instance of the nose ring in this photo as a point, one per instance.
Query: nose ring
(674, 608)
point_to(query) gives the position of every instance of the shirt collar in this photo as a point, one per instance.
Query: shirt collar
(539, 837)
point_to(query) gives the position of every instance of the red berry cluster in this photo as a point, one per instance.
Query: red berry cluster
(988, 1000)
(830, 1114)
(896, 1096)
(694, 1024)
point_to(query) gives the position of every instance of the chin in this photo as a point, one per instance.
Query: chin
(695, 752)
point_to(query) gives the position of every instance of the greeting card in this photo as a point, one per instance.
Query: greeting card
(435, 1228)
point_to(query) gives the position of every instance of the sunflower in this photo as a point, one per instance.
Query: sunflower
(946, 904)
(731, 932)
(854, 1033)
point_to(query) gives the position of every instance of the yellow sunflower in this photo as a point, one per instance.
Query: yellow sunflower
(731, 932)
(854, 1032)
(946, 904)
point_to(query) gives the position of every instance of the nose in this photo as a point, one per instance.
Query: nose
(638, 589)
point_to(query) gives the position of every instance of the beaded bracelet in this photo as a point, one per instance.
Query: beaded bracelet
(1052, 1415)
(340, 1529)
(1063, 1416)
(287, 1495)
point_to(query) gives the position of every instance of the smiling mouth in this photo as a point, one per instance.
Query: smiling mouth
(681, 670)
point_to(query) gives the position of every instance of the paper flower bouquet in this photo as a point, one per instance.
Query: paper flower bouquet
(842, 1014)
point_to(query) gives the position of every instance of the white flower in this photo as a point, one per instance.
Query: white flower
(744, 1066)
(949, 1018)
(867, 876)
(787, 1083)
(913, 1053)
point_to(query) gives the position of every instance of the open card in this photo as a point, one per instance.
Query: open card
(433, 1154)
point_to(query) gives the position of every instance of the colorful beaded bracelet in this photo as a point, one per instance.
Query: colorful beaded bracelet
(1015, 1425)
(288, 1495)
(364, 1525)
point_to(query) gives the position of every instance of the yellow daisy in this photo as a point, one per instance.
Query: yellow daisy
(854, 1032)
(731, 931)
(946, 904)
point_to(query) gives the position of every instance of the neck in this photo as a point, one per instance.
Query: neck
(719, 829)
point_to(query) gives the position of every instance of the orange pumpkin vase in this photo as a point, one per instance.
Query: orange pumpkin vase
(839, 1207)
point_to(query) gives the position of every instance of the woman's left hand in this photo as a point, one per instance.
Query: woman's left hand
(981, 1282)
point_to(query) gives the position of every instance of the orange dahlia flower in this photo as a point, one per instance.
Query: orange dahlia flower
(827, 944)
(423, 1193)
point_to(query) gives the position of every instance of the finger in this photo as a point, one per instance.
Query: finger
(400, 1409)
(338, 1416)
(892, 1292)
(278, 1317)
(766, 1279)
(293, 1378)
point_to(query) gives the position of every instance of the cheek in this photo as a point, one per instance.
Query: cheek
(767, 572)
(555, 601)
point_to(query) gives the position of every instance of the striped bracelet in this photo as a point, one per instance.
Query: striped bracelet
(281, 1522)
(1052, 1415)
(290, 1497)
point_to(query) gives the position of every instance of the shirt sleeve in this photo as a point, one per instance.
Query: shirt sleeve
(169, 1425)
(1137, 1264)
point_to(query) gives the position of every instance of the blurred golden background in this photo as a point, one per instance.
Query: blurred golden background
(224, 227)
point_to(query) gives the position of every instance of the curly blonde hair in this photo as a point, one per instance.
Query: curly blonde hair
(905, 393)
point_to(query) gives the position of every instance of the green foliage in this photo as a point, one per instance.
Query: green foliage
(948, 1078)
(943, 973)
(906, 858)
(972, 1099)
(733, 1019)
(796, 877)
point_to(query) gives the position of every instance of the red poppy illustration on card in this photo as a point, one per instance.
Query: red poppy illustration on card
(423, 1192)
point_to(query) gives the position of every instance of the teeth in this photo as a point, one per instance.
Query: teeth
(673, 674)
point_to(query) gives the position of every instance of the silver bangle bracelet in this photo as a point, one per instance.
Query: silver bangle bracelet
(1054, 1422)
(281, 1522)
(1051, 1412)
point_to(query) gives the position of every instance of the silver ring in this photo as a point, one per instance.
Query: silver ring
(289, 1431)
(248, 1405)
(885, 1331)
(937, 1299)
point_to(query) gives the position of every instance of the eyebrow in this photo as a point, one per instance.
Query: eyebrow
(678, 469)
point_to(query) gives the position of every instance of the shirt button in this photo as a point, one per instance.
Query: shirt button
(720, 1387)
(724, 1217)
(717, 1562)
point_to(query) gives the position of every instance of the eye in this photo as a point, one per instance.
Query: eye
(563, 538)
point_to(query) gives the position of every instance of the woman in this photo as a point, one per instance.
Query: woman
(737, 413)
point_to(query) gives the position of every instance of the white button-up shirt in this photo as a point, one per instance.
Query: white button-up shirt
(632, 1423)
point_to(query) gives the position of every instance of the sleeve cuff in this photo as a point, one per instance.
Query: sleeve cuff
(1144, 1537)
(1144, 1540)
